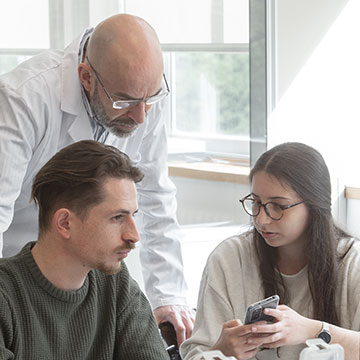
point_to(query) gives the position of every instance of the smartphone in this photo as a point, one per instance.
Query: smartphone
(255, 312)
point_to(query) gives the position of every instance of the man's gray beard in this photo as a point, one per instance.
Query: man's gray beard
(99, 111)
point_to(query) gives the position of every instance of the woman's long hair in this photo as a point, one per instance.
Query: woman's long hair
(304, 170)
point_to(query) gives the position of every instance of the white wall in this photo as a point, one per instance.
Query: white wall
(353, 215)
(209, 212)
(318, 78)
(201, 201)
(301, 26)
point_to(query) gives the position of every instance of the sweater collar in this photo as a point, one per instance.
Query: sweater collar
(46, 285)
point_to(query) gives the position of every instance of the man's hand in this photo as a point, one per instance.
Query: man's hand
(180, 316)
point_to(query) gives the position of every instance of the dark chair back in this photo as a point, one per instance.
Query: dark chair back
(169, 335)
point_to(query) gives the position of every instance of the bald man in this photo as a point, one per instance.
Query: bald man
(107, 85)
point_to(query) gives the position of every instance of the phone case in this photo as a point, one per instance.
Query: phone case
(255, 312)
(318, 349)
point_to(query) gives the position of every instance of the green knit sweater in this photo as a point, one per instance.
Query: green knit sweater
(108, 318)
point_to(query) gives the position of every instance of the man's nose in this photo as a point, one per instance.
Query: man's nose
(130, 233)
(138, 112)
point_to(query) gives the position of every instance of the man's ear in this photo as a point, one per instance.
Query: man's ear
(85, 76)
(62, 222)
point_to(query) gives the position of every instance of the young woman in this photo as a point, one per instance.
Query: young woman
(295, 250)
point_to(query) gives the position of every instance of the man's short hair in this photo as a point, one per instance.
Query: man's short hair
(73, 178)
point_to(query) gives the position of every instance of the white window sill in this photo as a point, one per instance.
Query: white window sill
(352, 193)
(226, 170)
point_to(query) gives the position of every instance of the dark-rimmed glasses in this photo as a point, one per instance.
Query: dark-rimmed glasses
(123, 104)
(273, 210)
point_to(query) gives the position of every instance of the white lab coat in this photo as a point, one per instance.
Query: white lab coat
(41, 111)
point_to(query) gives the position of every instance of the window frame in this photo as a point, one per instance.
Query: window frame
(222, 141)
(262, 73)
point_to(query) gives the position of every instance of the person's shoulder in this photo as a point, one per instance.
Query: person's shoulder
(241, 241)
(8, 264)
(235, 249)
(12, 271)
(349, 259)
(5, 268)
(349, 249)
(349, 266)
(31, 71)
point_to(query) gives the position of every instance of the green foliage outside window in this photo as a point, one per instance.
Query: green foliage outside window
(212, 88)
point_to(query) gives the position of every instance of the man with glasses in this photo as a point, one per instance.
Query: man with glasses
(108, 85)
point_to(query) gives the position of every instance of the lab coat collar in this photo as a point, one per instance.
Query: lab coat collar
(71, 99)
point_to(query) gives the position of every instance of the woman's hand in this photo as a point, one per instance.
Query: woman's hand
(233, 340)
(289, 328)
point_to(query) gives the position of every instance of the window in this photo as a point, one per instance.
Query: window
(24, 36)
(218, 100)
(216, 58)
(206, 51)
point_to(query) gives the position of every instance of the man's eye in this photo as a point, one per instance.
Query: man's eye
(118, 217)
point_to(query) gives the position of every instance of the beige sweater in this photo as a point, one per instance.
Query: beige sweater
(231, 282)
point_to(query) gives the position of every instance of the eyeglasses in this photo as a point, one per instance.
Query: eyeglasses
(123, 104)
(273, 210)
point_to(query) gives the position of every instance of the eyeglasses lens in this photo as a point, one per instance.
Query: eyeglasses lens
(274, 211)
(253, 208)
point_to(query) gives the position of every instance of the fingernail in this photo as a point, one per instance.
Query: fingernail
(253, 329)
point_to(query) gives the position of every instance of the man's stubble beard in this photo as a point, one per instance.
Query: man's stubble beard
(111, 270)
(99, 111)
